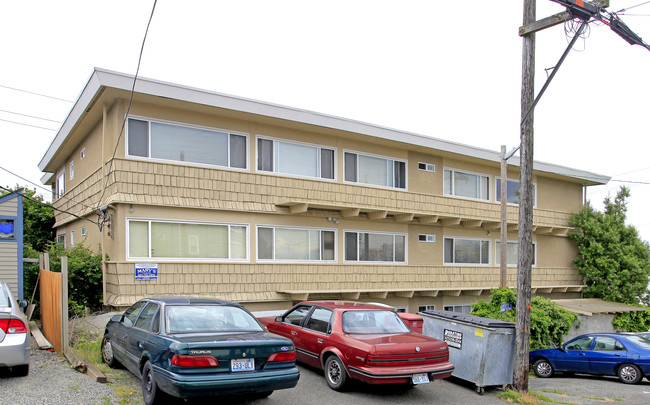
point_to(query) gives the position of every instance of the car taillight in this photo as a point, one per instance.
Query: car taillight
(182, 360)
(283, 356)
(12, 326)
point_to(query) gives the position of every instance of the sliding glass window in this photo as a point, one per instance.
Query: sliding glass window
(295, 244)
(182, 240)
(375, 247)
(374, 170)
(182, 143)
(466, 251)
(464, 184)
(295, 159)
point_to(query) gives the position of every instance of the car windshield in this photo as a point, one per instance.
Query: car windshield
(209, 318)
(640, 341)
(373, 322)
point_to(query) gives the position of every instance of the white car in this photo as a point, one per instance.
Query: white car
(14, 334)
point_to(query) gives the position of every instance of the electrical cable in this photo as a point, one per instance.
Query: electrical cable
(625, 9)
(135, 78)
(37, 94)
(30, 116)
(27, 125)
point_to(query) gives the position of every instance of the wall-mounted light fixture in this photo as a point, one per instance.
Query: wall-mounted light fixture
(336, 221)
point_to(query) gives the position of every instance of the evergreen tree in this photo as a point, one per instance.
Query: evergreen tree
(611, 256)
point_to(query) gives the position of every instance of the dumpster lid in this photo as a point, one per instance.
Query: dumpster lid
(466, 318)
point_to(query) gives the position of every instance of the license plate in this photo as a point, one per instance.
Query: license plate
(242, 365)
(420, 378)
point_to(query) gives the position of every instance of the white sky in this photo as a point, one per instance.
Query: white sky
(447, 69)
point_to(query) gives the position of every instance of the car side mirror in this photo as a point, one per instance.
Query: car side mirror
(278, 319)
(116, 318)
(22, 304)
(562, 348)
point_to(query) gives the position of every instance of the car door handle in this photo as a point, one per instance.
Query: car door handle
(293, 332)
(140, 345)
(319, 340)
(581, 354)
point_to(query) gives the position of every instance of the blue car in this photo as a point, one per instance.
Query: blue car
(624, 355)
(187, 347)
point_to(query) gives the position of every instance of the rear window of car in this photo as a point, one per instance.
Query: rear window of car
(4, 298)
(373, 322)
(209, 318)
(639, 341)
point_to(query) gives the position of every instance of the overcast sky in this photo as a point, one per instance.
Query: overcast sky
(446, 69)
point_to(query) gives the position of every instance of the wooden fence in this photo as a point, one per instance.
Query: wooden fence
(53, 289)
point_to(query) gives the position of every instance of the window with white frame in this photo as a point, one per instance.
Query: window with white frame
(71, 238)
(427, 238)
(82, 154)
(361, 246)
(512, 253)
(512, 190)
(72, 170)
(60, 185)
(423, 308)
(60, 239)
(374, 170)
(466, 251)
(460, 183)
(184, 143)
(186, 240)
(83, 231)
(295, 244)
(464, 309)
(295, 158)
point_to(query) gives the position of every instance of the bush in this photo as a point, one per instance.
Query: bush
(633, 321)
(548, 322)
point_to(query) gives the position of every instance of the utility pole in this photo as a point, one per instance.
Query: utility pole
(525, 233)
(503, 277)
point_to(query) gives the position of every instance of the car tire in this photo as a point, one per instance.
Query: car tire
(629, 374)
(20, 371)
(543, 368)
(107, 353)
(335, 373)
(151, 393)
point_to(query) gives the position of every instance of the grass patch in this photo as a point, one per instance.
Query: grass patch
(530, 398)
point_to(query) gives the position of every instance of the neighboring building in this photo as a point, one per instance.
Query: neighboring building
(11, 242)
(267, 205)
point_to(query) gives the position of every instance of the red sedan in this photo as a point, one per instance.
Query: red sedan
(362, 341)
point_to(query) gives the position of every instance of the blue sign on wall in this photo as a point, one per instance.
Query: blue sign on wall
(506, 306)
(146, 271)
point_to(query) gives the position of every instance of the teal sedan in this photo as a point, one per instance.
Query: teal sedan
(188, 347)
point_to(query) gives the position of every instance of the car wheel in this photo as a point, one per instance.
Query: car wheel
(107, 353)
(629, 374)
(20, 371)
(543, 368)
(151, 394)
(335, 373)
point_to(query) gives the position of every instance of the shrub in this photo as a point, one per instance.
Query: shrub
(633, 321)
(548, 322)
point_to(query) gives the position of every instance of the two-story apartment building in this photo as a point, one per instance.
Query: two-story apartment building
(201, 193)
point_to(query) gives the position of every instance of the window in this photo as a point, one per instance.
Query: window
(60, 239)
(464, 184)
(607, 344)
(375, 247)
(463, 309)
(295, 158)
(428, 167)
(427, 238)
(512, 253)
(374, 170)
(299, 244)
(157, 140)
(7, 231)
(146, 316)
(466, 251)
(319, 320)
(297, 316)
(423, 308)
(60, 185)
(71, 170)
(582, 343)
(513, 192)
(83, 231)
(82, 155)
(71, 238)
(180, 240)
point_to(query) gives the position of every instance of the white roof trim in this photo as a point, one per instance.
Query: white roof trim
(110, 79)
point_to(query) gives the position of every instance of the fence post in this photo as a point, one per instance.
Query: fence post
(64, 302)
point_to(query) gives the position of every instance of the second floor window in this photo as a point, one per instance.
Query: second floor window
(294, 158)
(375, 247)
(60, 185)
(466, 251)
(375, 170)
(464, 184)
(157, 140)
(299, 244)
(512, 190)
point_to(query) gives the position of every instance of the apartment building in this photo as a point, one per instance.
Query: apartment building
(199, 193)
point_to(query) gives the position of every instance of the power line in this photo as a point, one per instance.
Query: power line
(625, 9)
(36, 94)
(27, 125)
(30, 116)
(135, 78)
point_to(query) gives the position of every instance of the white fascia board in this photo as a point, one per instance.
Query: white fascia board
(123, 81)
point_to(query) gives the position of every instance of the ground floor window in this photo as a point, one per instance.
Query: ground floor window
(423, 308)
(299, 244)
(464, 309)
(183, 240)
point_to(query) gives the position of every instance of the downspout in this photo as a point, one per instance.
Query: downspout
(104, 115)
